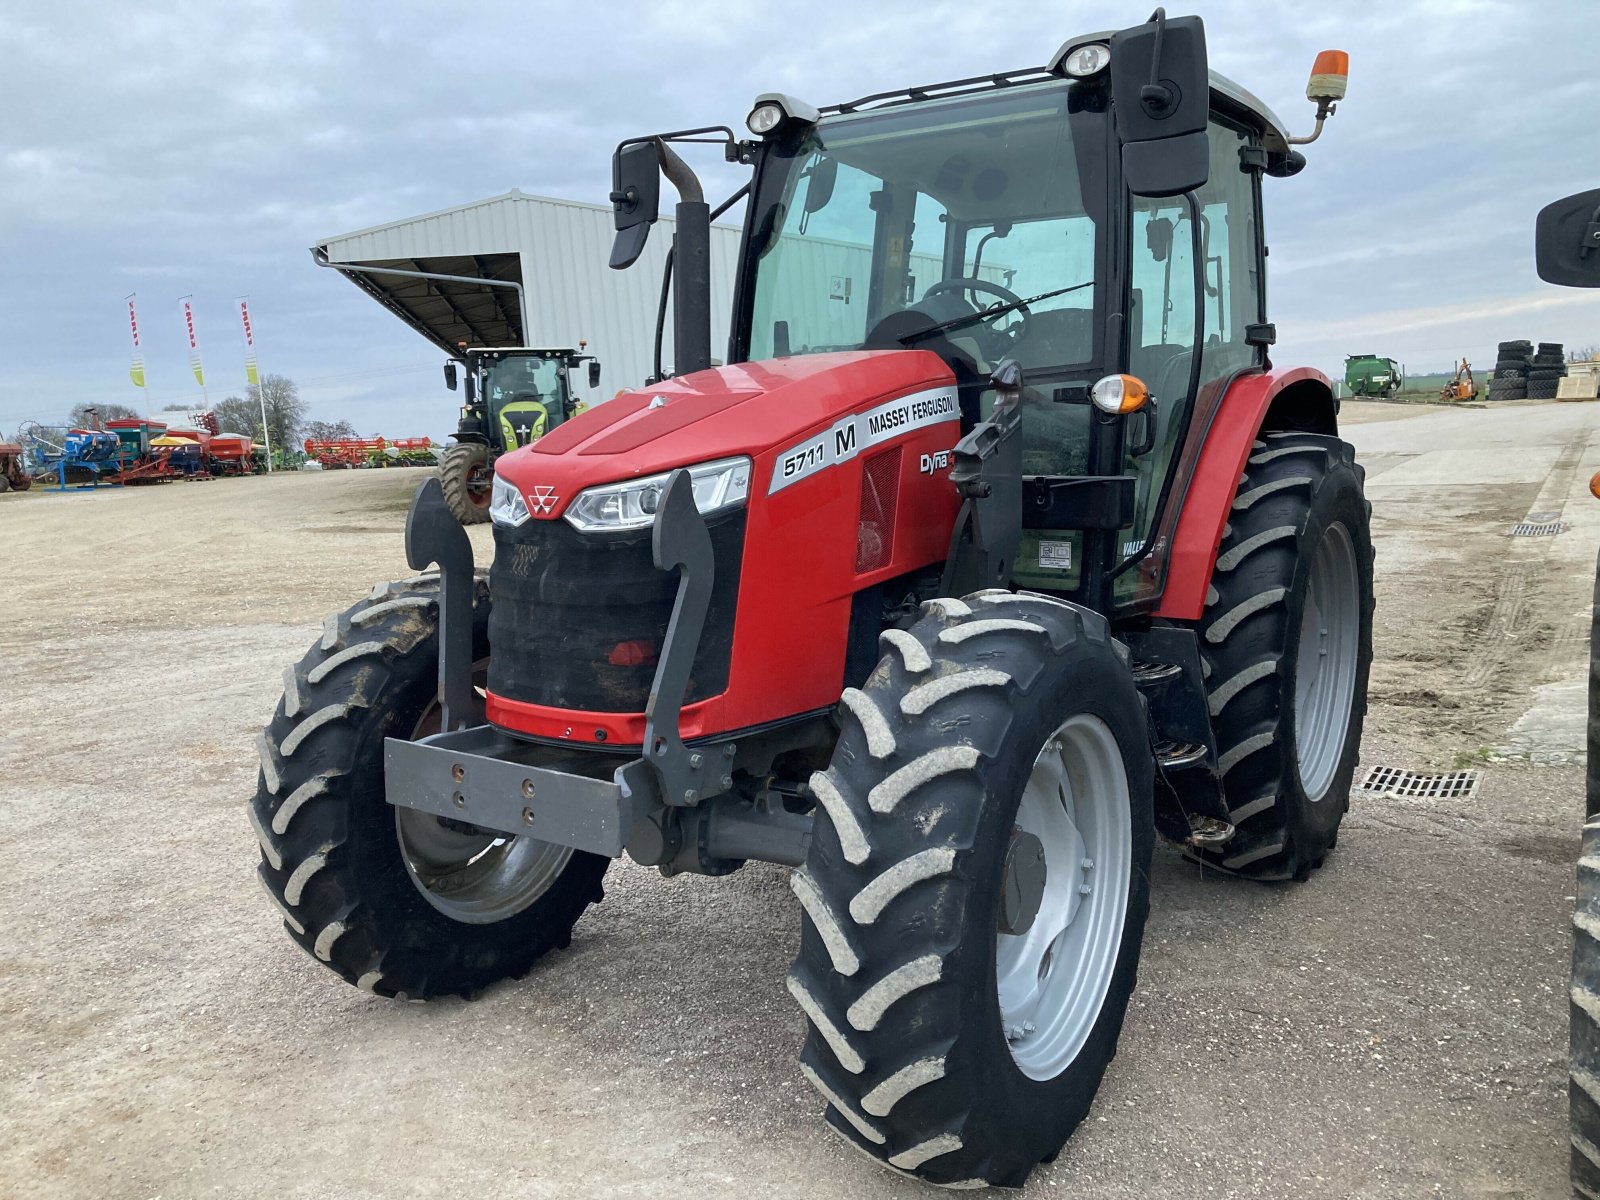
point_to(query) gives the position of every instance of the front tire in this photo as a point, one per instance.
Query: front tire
(392, 900)
(952, 1039)
(1286, 647)
(467, 480)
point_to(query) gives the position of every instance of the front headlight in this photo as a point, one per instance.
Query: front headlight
(718, 486)
(506, 505)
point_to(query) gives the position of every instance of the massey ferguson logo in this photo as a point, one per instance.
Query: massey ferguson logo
(544, 499)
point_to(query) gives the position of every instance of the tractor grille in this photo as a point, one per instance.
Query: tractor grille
(579, 618)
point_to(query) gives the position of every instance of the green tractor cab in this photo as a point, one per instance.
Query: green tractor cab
(515, 395)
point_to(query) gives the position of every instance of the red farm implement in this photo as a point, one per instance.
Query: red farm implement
(341, 453)
(13, 474)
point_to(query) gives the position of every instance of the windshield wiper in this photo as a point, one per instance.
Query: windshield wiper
(998, 310)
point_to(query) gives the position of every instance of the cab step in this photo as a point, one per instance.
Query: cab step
(1155, 674)
(1175, 756)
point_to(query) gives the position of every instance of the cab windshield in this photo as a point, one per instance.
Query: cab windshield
(928, 224)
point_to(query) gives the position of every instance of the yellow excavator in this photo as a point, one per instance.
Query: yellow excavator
(1463, 386)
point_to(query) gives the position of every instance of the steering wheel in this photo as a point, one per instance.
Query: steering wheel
(1014, 333)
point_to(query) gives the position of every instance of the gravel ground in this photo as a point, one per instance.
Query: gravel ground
(1394, 1027)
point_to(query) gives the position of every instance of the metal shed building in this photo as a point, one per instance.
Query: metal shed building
(527, 271)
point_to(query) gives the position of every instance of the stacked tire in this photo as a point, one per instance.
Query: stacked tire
(1511, 367)
(1545, 370)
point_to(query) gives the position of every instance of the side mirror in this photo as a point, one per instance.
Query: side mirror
(1158, 237)
(450, 375)
(594, 373)
(635, 200)
(1161, 86)
(819, 190)
(1566, 241)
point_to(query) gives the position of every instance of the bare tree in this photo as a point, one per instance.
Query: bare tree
(1584, 354)
(286, 412)
(330, 431)
(81, 418)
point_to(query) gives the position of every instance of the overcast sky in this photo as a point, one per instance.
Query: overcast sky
(201, 148)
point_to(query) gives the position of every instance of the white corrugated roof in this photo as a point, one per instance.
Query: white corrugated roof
(558, 250)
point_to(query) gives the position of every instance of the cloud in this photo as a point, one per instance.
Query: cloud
(175, 149)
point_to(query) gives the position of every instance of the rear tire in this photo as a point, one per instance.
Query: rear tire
(1287, 753)
(399, 918)
(951, 748)
(467, 481)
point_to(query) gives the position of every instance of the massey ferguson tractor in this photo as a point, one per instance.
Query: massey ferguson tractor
(999, 547)
(514, 396)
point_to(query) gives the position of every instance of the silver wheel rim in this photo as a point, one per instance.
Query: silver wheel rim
(473, 877)
(1054, 977)
(1325, 667)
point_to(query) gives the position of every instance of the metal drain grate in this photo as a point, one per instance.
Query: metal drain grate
(1542, 529)
(1418, 785)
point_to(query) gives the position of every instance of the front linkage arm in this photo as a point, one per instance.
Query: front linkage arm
(433, 535)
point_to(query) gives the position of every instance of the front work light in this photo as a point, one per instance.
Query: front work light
(1120, 394)
(1087, 60)
(773, 110)
(506, 505)
(763, 119)
(718, 486)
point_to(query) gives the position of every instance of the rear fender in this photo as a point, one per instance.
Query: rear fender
(1299, 399)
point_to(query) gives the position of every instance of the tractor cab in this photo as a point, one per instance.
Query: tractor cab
(517, 395)
(1043, 218)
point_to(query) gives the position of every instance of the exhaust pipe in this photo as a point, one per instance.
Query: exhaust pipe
(691, 267)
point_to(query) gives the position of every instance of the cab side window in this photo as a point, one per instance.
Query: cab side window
(1163, 318)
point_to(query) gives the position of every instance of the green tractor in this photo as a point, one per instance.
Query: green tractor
(515, 395)
(1370, 375)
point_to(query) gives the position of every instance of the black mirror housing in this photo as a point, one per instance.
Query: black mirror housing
(1566, 243)
(594, 372)
(450, 375)
(635, 200)
(1161, 87)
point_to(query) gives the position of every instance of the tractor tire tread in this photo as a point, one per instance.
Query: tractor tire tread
(1245, 632)
(455, 465)
(315, 806)
(886, 885)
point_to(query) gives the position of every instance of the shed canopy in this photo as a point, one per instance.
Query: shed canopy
(475, 242)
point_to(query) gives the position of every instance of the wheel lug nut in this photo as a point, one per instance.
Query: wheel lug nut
(1087, 864)
(1084, 889)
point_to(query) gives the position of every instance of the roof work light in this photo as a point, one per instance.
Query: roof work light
(773, 110)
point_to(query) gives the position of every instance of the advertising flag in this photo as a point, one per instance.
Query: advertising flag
(252, 372)
(194, 343)
(136, 367)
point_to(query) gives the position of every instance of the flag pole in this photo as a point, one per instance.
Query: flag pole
(136, 366)
(252, 373)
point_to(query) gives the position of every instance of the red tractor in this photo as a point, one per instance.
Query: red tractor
(999, 547)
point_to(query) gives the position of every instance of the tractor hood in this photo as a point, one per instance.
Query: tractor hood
(754, 409)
